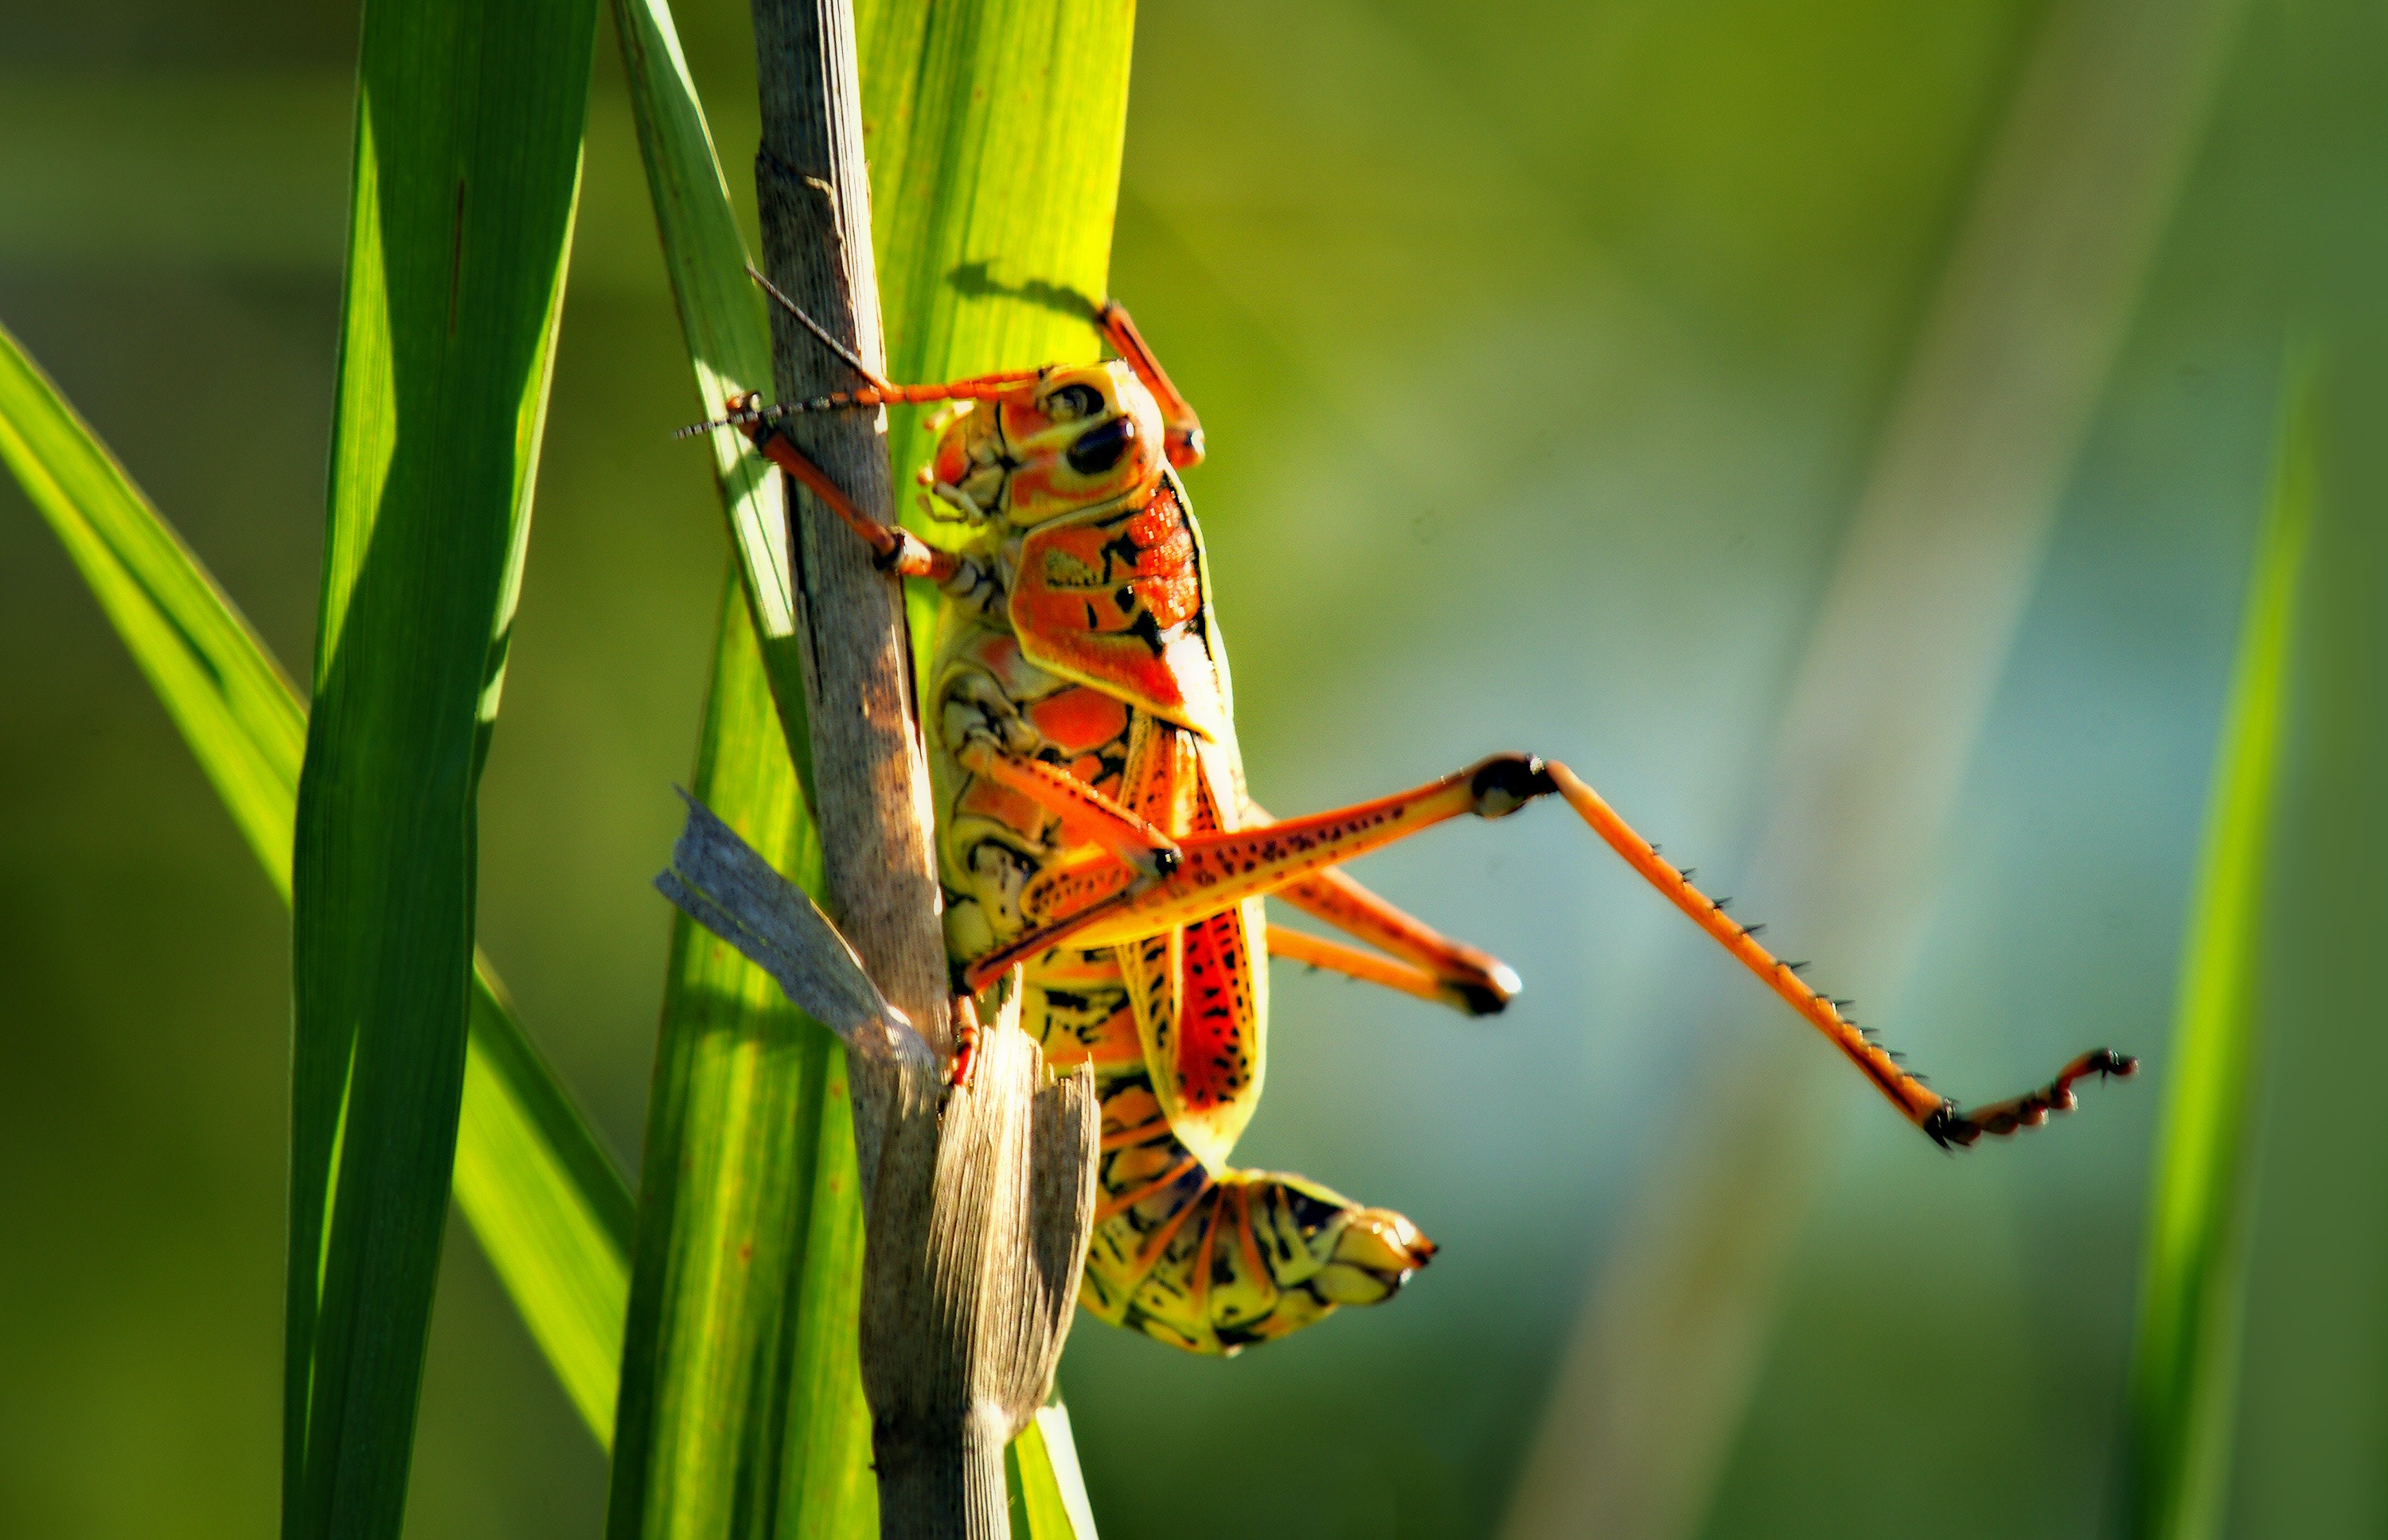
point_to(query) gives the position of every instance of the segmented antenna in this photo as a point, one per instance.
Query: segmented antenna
(876, 380)
(878, 392)
(986, 387)
(735, 419)
(747, 416)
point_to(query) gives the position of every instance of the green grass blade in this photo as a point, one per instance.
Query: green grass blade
(992, 210)
(1048, 1495)
(721, 318)
(992, 214)
(543, 1197)
(741, 1409)
(235, 707)
(2185, 1366)
(469, 122)
(547, 1203)
(766, 1350)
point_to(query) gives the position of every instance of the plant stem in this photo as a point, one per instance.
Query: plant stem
(970, 1483)
(978, 1204)
(813, 198)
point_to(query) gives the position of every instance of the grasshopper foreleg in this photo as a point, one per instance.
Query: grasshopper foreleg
(893, 547)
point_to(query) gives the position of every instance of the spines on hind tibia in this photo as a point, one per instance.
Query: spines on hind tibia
(1212, 1263)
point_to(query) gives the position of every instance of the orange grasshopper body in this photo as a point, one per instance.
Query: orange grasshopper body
(1094, 831)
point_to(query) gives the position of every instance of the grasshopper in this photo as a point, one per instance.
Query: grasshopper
(1095, 832)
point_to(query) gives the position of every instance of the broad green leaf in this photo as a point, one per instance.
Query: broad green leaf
(469, 122)
(741, 1410)
(544, 1199)
(2185, 1365)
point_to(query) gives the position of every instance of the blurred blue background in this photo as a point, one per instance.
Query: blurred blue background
(1545, 352)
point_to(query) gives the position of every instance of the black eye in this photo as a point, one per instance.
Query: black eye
(1074, 401)
(1099, 449)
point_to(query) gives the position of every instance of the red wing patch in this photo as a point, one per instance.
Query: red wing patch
(1197, 990)
(1211, 1059)
(1117, 603)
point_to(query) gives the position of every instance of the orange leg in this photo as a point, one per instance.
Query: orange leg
(1460, 977)
(1936, 1115)
(1217, 871)
(1436, 969)
(1082, 810)
(1183, 430)
(966, 1030)
(893, 547)
(1429, 964)
(1370, 967)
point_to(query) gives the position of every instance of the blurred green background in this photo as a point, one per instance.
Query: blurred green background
(1545, 350)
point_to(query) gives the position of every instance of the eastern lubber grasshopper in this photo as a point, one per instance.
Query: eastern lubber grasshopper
(1095, 832)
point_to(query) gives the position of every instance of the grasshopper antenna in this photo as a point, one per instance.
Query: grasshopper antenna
(871, 376)
(749, 415)
(878, 391)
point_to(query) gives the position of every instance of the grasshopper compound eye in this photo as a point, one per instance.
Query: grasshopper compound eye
(1100, 447)
(1091, 436)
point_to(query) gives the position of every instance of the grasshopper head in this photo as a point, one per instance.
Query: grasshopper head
(1082, 436)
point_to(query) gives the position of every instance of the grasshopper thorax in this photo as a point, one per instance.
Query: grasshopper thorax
(1077, 436)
